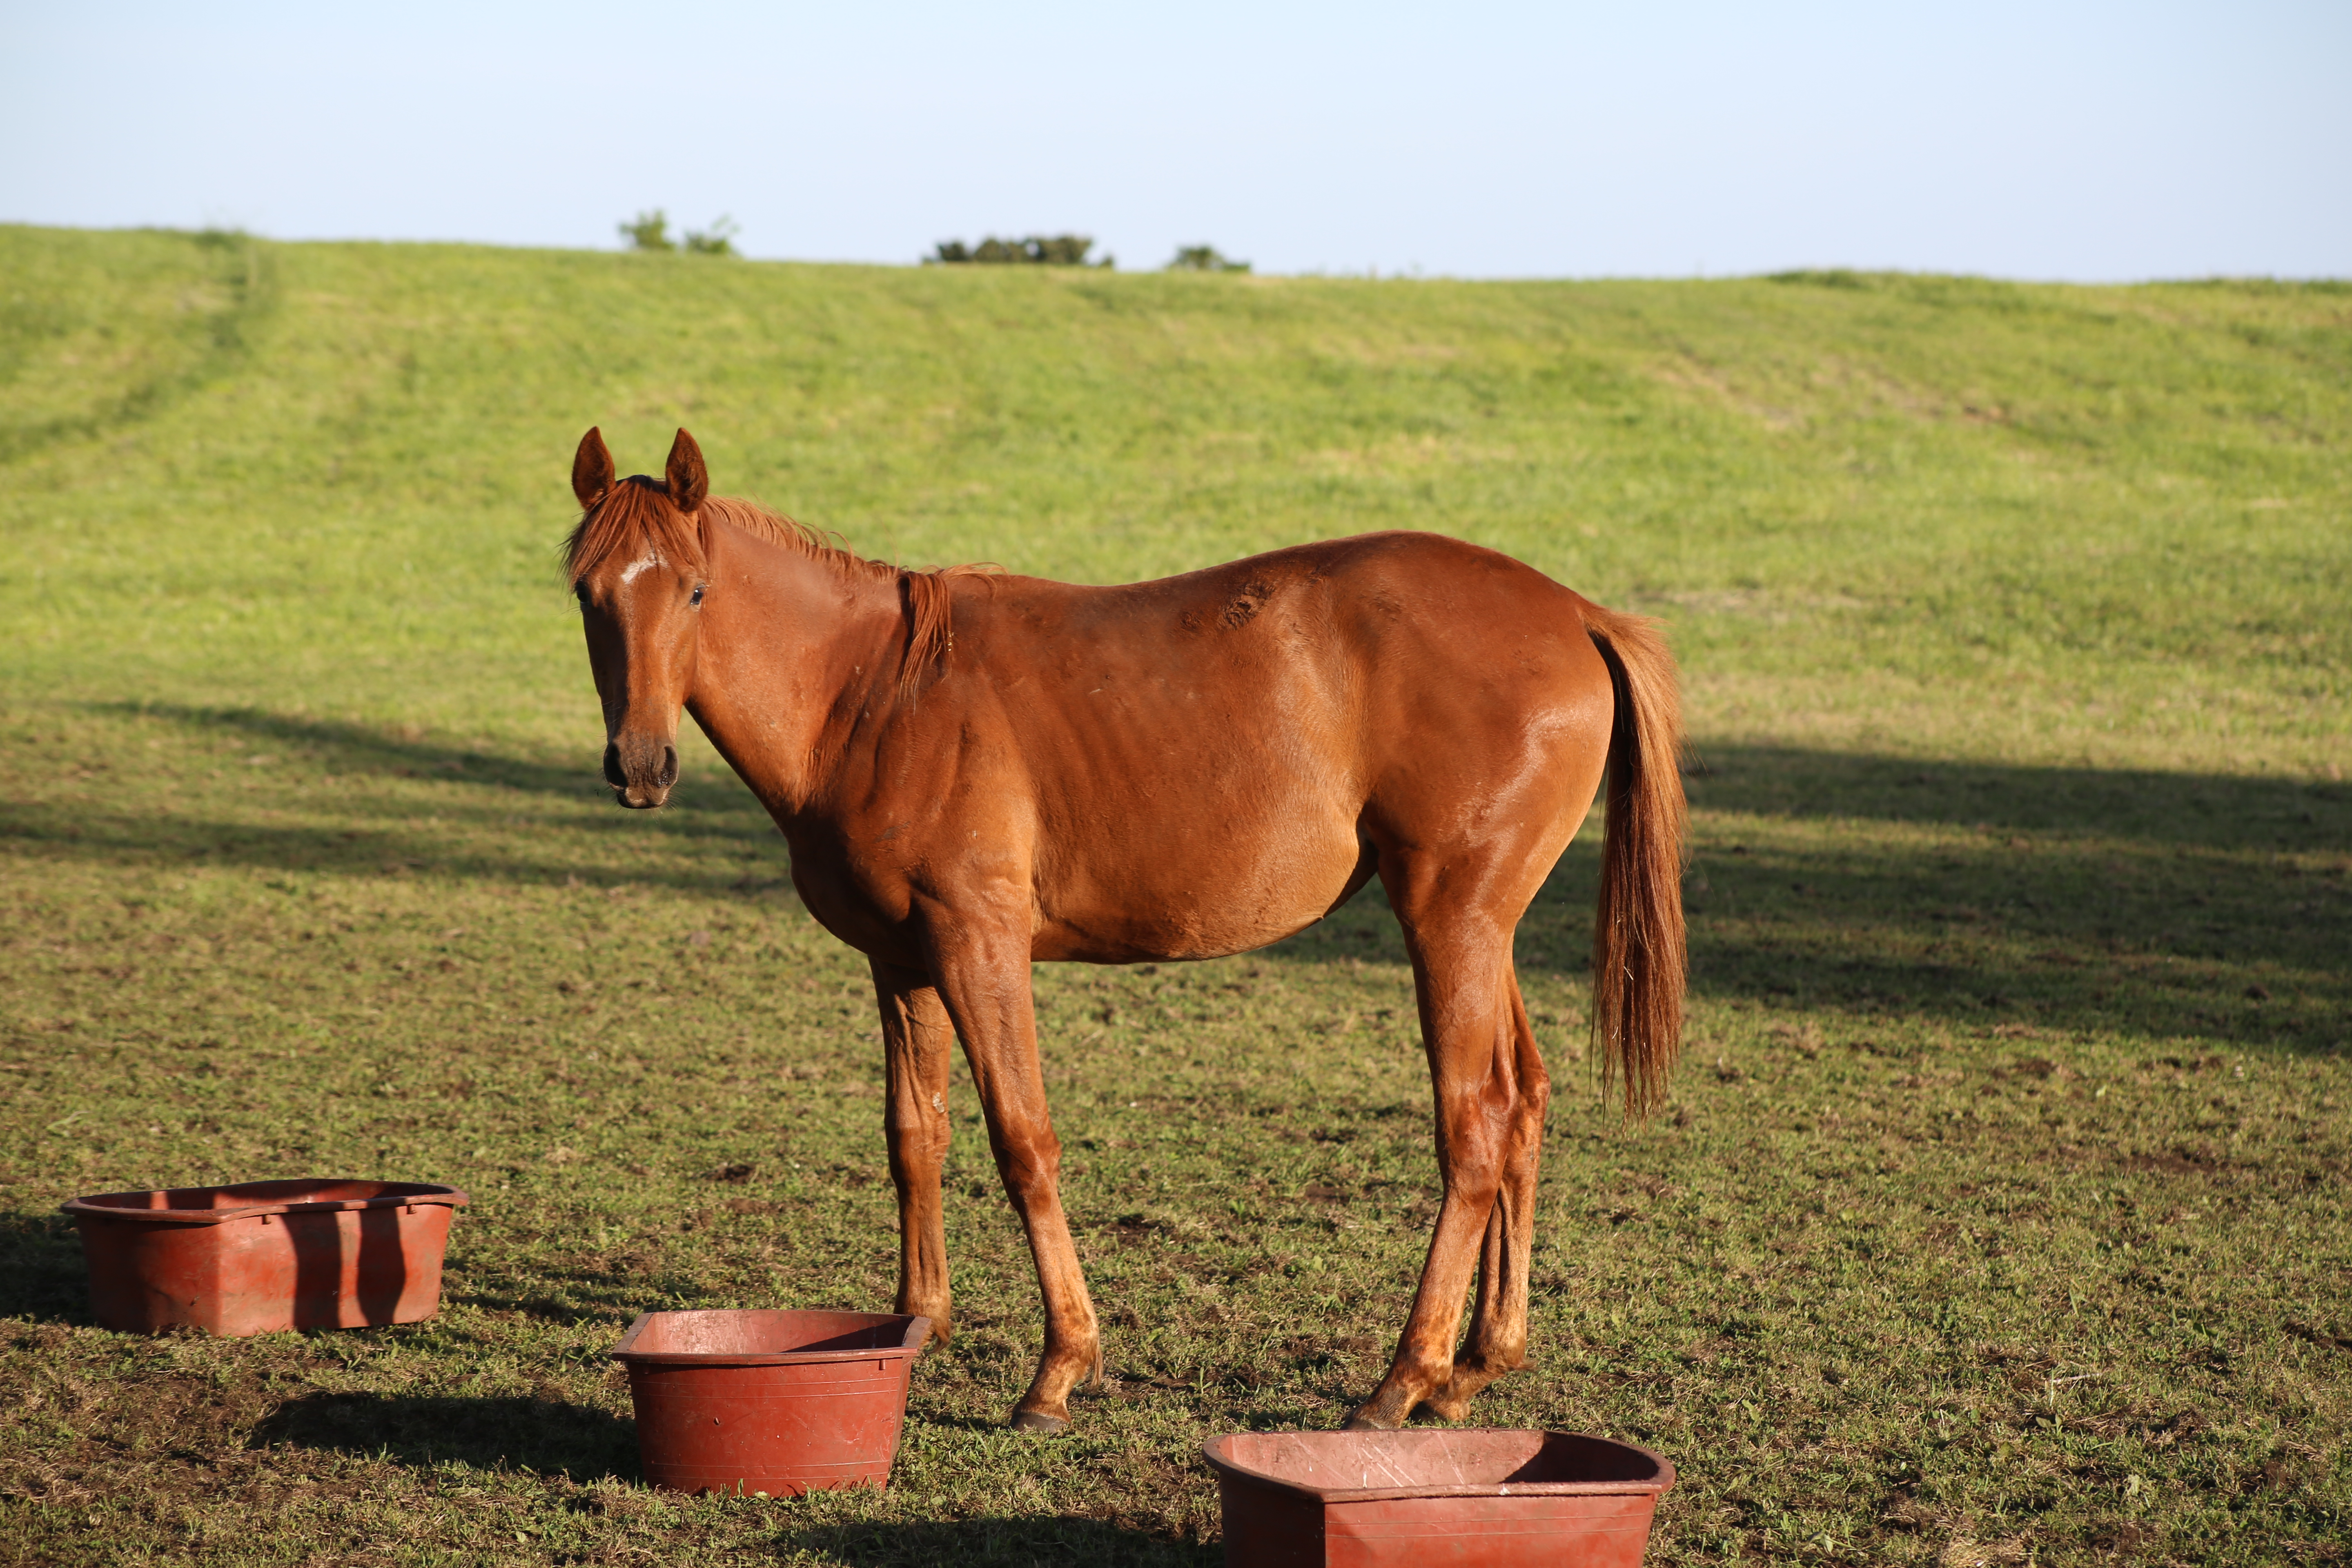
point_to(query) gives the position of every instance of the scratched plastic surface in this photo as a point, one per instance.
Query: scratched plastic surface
(1495, 1498)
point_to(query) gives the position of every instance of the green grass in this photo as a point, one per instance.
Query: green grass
(1999, 1215)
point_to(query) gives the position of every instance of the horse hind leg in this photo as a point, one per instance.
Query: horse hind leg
(1462, 968)
(1497, 1341)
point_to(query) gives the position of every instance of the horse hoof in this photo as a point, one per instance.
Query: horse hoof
(1362, 1422)
(1038, 1421)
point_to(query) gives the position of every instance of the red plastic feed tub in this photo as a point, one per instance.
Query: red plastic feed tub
(769, 1403)
(1493, 1498)
(255, 1257)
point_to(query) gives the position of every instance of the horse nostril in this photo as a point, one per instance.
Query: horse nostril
(669, 766)
(613, 773)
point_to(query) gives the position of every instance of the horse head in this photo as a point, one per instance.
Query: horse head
(637, 567)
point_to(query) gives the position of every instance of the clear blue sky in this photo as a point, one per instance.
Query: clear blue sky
(2056, 140)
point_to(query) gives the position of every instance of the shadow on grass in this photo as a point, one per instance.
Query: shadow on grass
(542, 1435)
(42, 1276)
(2207, 810)
(2174, 905)
(573, 1296)
(360, 749)
(713, 820)
(2171, 905)
(1009, 1541)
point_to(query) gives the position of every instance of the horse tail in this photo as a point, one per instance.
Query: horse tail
(1639, 953)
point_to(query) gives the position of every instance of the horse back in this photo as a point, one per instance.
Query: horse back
(1203, 764)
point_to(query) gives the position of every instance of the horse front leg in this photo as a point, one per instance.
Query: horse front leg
(916, 1039)
(984, 978)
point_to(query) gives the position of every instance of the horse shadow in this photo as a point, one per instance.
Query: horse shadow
(2183, 905)
(729, 841)
(1989, 896)
(1011, 1542)
(1994, 896)
(546, 1436)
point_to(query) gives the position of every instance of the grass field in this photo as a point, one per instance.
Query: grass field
(2000, 1214)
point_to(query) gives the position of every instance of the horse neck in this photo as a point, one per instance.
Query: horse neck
(792, 647)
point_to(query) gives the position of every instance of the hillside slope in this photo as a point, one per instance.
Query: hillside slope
(1905, 513)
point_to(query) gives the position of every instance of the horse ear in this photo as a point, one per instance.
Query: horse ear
(592, 468)
(688, 480)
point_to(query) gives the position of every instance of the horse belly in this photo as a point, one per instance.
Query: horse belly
(1199, 894)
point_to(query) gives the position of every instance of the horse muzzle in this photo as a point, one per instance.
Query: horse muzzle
(641, 771)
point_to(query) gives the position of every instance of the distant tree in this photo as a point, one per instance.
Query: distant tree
(1205, 259)
(649, 232)
(719, 239)
(1037, 250)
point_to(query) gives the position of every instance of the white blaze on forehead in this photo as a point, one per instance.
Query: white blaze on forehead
(629, 572)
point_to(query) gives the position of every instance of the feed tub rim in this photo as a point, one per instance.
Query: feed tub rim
(283, 1199)
(910, 1343)
(1221, 1459)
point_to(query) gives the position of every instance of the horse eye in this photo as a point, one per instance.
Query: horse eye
(579, 591)
(697, 596)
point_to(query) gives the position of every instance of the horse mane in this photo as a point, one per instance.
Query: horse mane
(636, 513)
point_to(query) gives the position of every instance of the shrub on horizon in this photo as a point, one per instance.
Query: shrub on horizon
(1203, 258)
(1037, 250)
(719, 239)
(650, 231)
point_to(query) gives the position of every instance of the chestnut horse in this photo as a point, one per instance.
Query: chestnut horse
(975, 771)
